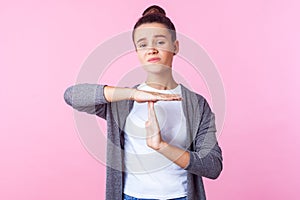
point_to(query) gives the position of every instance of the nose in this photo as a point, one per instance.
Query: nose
(152, 50)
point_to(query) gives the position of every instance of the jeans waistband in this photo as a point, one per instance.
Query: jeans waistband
(127, 197)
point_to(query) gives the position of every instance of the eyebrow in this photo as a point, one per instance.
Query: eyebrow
(156, 36)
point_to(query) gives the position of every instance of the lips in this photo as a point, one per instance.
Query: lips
(153, 60)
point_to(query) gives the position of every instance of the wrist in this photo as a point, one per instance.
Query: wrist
(163, 145)
(132, 93)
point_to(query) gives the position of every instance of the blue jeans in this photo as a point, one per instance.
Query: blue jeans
(127, 197)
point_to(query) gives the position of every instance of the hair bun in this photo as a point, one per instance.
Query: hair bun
(154, 10)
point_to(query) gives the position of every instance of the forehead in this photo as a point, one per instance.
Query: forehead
(151, 30)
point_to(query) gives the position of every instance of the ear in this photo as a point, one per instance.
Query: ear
(176, 47)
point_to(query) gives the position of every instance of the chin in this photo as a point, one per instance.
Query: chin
(156, 68)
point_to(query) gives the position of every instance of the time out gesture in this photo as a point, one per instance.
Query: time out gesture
(154, 139)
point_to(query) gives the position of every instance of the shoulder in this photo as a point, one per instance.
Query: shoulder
(192, 96)
(136, 86)
(194, 102)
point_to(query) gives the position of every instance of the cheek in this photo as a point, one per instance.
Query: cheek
(168, 55)
(140, 57)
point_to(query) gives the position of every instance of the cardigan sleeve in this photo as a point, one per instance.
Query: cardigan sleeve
(206, 156)
(87, 98)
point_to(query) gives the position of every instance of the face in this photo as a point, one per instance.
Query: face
(154, 45)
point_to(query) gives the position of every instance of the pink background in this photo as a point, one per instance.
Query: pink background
(255, 45)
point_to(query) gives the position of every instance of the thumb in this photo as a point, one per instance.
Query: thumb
(147, 124)
(150, 109)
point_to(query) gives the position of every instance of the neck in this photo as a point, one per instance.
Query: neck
(161, 81)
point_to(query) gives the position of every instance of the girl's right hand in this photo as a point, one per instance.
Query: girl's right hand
(141, 96)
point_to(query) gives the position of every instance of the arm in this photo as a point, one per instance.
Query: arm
(154, 141)
(113, 94)
(93, 98)
(87, 98)
(205, 160)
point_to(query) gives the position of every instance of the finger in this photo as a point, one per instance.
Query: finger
(151, 112)
(171, 97)
(151, 105)
(149, 109)
(175, 98)
(147, 124)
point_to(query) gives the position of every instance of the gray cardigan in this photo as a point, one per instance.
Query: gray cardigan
(205, 153)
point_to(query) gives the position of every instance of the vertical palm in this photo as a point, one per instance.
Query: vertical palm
(154, 139)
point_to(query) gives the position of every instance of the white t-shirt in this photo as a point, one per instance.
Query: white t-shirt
(148, 174)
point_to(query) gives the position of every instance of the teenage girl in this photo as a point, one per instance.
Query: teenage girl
(161, 136)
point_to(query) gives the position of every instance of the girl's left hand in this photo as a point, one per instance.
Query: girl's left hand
(154, 139)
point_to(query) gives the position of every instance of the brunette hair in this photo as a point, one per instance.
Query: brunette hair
(153, 14)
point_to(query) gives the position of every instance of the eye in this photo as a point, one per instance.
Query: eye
(161, 42)
(142, 45)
